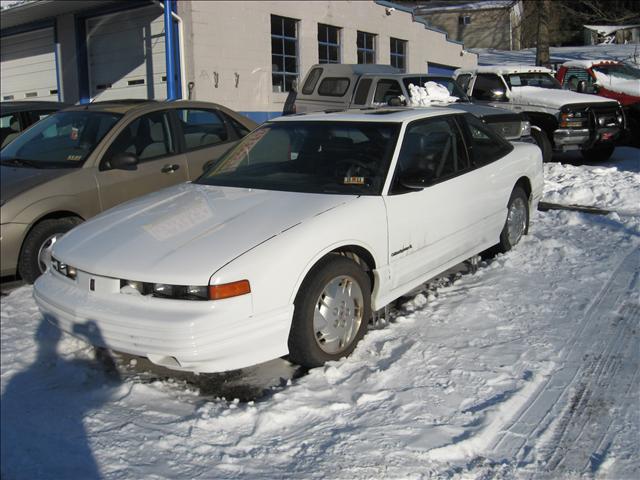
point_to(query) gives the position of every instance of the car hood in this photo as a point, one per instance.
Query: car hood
(485, 111)
(549, 97)
(15, 180)
(183, 234)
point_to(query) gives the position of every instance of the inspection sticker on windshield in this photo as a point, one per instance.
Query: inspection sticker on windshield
(74, 158)
(353, 180)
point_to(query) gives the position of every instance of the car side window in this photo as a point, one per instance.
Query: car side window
(312, 80)
(148, 137)
(385, 90)
(485, 145)
(485, 84)
(202, 128)
(432, 149)
(40, 114)
(575, 75)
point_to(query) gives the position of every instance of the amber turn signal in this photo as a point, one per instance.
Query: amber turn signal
(228, 290)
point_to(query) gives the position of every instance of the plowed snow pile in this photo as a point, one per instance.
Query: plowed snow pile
(528, 369)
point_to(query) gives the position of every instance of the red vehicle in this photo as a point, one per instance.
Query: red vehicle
(610, 79)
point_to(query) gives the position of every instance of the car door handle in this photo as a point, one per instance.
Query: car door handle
(170, 168)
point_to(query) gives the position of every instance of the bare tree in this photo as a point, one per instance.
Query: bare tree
(542, 44)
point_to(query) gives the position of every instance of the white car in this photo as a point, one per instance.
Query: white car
(289, 242)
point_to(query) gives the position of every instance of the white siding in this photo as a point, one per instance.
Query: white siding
(28, 66)
(126, 53)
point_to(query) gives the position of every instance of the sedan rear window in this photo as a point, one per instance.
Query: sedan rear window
(314, 157)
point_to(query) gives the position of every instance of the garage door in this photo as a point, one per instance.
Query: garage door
(440, 69)
(126, 53)
(28, 66)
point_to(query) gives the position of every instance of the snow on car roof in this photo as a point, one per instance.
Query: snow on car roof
(400, 114)
(588, 63)
(502, 69)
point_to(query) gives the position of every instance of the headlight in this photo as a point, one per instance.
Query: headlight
(573, 119)
(525, 128)
(64, 269)
(165, 290)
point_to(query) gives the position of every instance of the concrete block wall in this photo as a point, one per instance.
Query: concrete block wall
(228, 46)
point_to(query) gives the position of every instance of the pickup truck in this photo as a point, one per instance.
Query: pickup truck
(351, 86)
(608, 79)
(560, 119)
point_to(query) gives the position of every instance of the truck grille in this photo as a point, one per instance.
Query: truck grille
(607, 116)
(509, 130)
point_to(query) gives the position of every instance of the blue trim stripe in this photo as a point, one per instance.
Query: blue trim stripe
(261, 117)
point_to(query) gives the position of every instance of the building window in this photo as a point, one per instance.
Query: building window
(399, 54)
(284, 53)
(464, 20)
(328, 44)
(366, 47)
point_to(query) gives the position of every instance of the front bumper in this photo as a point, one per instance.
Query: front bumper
(198, 336)
(11, 236)
(565, 138)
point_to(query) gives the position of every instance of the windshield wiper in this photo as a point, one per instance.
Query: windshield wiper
(21, 162)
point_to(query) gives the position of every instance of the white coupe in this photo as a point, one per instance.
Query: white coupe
(289, 243)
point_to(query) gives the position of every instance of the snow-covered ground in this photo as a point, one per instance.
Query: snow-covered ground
(527, 369)
(627, 53)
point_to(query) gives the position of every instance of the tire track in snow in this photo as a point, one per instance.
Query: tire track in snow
(584, 386)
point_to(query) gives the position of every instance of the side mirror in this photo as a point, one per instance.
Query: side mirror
(582, 86)
(414, 179)
(124, 161)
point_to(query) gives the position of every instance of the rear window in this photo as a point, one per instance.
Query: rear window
(312, 80)
(334, 86)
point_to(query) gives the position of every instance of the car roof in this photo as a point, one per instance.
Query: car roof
(124, 106)
(589, 63)
(355, 68)
(395, 115)
(29, 105)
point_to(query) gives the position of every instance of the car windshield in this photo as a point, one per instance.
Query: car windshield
(539, 79)
(64, 139)
(313, 157)
(620, 71)
(449, 83)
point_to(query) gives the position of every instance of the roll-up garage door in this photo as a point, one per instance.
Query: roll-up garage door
(126, 53)
(28, 66)
(440, 69)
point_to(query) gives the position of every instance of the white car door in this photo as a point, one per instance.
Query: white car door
(444, 222)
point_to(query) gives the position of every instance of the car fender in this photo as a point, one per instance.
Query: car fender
(277, 267)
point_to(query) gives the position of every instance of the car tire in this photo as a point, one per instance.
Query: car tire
(331, 314)
(36, 248)
(517, 223)
(544, 144)
(599, 153)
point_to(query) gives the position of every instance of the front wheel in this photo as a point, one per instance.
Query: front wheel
(332, 310)
(517, 223)
(599, 153)
(36, 249)
(543, 142)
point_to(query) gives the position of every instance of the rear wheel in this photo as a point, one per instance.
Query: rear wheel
(517, 223)
(36, 249)
(599, 153)
(332, 310)
(543, 142)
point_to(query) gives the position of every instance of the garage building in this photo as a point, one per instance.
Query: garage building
(245, 55)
